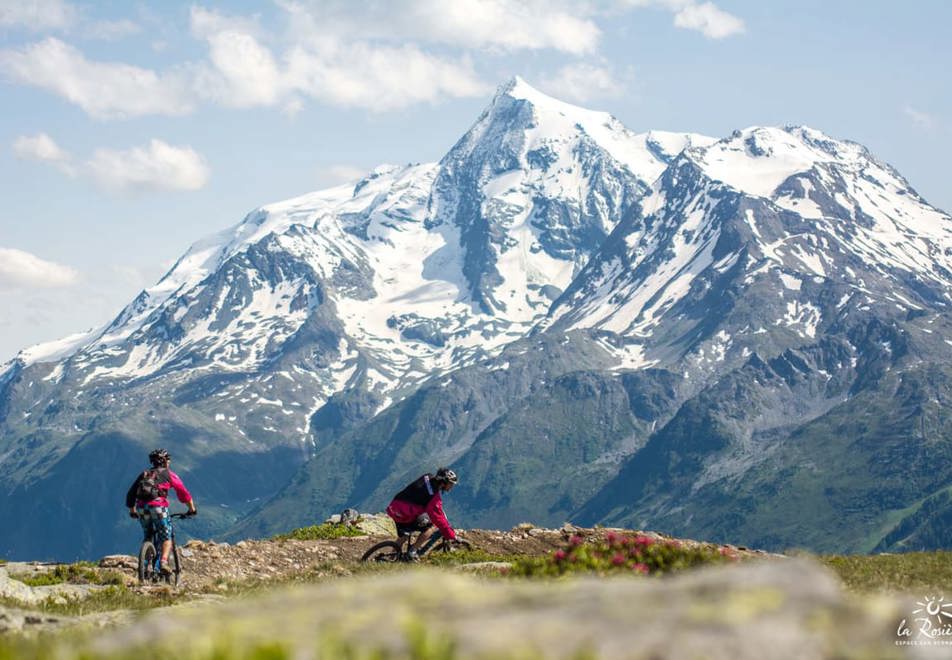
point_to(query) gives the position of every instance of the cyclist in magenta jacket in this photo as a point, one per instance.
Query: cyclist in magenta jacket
(154, 514)
(419, 507)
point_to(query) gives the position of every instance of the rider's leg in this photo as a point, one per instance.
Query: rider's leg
(423, 537)
(166, 549)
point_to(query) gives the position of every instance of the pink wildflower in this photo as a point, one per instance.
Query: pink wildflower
(575, 540)
(640, 568)
(559, 555)
(618, 559)
(611, 538)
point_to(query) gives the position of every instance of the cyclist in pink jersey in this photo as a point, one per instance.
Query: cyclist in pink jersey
(147, 500)
(419, 507)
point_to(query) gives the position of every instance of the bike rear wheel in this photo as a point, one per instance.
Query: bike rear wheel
(146, 562)
(386, 551)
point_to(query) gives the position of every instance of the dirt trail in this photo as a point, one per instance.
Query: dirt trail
(212, 566)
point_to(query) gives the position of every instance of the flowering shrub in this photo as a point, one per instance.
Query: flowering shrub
(635, 554)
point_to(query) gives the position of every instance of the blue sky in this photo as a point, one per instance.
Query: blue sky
(129, 130)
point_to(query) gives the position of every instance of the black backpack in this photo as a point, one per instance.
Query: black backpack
(149, 481)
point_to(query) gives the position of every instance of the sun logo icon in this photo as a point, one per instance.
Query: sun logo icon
(935, 607)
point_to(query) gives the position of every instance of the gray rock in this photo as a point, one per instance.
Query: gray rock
(18, 591)
(120, 561)
(379, 524)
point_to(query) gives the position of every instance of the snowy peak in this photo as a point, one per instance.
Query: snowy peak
(535, 186)
(784, 228)
(758, 160)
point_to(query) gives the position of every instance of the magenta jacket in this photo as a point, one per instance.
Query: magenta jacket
(416, 499)
(174, 483)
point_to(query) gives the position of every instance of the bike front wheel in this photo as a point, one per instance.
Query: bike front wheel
(386, 551)
(146, 562)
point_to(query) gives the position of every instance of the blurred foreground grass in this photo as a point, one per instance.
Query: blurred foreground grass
(911, 572)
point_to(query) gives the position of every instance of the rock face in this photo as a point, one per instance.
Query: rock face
(778, 609)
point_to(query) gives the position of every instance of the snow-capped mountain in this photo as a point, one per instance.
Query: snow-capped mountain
(413, 269)
(552, 260)
(819, 223)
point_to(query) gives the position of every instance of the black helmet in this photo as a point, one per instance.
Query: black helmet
(159, 457)
(446, 475)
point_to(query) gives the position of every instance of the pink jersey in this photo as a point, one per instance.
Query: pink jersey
(416, 499)
(174, 483)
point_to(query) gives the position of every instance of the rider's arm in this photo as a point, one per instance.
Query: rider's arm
(181, 491)
(435, 510)
(131, 494)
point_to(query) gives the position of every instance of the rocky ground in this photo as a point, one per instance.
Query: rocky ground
(777, 608)
(206, 565)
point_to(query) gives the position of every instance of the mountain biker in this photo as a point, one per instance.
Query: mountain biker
(153, 512)
(419, 506)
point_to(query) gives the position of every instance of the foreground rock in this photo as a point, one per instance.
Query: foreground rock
(781, 609)
(15, 590)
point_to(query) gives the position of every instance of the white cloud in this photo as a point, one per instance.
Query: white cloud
(709, 20)
(336, 52)
(921, 119)
(379, 78)
(20, 269)
(205, 23)
(581, 82)
(37, 15)
(109, 30)
(105, 90)
(43, 148)
(158, 166)
(507, 25)
(333, 175)
(243, 72)
(704, 17)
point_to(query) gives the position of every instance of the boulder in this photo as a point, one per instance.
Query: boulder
(379, 524)
(119, 561)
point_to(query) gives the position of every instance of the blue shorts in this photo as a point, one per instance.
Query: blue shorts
(155, 520)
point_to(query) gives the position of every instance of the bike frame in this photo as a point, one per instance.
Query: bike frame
(157, 544)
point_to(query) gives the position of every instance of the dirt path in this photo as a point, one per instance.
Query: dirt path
(209, 566)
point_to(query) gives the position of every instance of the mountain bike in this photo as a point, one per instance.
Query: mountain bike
(398, 549)
(150, 556)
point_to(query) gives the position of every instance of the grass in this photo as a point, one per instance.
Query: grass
(78, 573)
(926, 572)
(419, 642)
(322, 531)
(458, 557)
(109, 599)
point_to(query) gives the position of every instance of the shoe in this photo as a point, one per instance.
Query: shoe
(412, 555)
(164, 568)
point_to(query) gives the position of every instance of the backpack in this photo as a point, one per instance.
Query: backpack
(149, 481)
